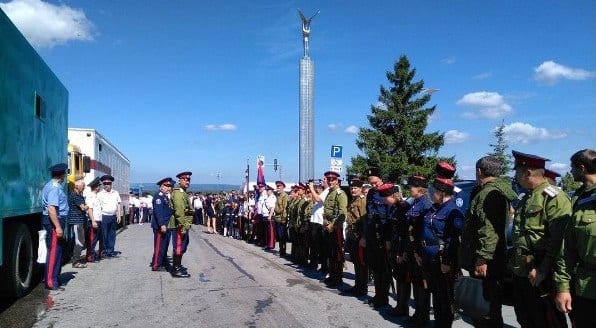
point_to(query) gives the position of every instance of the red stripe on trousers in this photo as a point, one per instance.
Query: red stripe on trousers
(361, 255)
(339, 250)
(271, 235)
(178, 242)
(89, 244)
(157, 247)
(50, 271)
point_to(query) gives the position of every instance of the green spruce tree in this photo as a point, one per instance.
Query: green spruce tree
(396, 141)
(500, 149)
(568, 183)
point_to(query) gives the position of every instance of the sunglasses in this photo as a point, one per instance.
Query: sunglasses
(331, 178)
(107, 183)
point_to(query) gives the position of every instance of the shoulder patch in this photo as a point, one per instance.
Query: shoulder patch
(552, 191)
(158, 201)
(160, 193)
(456, 189)
(459, 202)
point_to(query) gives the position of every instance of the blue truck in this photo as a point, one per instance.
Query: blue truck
(33, 136)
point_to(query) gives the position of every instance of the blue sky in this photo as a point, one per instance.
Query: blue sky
(206, 85)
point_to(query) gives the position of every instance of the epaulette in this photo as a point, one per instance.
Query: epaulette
(552, 191)
(160, 193)
(339, 191)
(456, 189)
(586, 200)
(521, 195)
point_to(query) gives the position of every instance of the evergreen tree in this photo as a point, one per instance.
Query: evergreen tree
(396, 141)
(500, 149)
(568, 183)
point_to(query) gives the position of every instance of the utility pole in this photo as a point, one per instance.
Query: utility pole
(247, 176)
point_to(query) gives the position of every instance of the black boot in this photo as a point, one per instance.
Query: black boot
(176, 270)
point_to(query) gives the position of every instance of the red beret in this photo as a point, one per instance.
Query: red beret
(386, 190)
(445, 170)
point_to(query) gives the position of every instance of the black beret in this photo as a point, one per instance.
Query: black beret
(94, 183)
(59, 168)
(373, 171)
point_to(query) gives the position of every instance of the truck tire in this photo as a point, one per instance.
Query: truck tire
(20, 262)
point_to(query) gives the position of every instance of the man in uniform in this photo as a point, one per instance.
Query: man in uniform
(281, 217)
(162, 213)
(551, 176)
(483, 245)
(440, 242)
(292, 218)
(298, 209)
(111, 214)
(269, 211)
(356, 219)
(377, 239)
(575, 273)
(318, 250)
(334, 216)
(542, 217)
(180, 223)
(55, 211)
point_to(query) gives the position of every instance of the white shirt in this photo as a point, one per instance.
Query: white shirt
(109, 202)
(93, 202)
(268, 204)
(317, 209)
(149, 199)
(198, 203)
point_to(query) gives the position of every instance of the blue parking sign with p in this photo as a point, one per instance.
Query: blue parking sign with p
(336, 151)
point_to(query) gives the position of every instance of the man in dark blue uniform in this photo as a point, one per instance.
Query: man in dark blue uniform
(439, 245)
(377, 239)
(55, 210)
(162, 212)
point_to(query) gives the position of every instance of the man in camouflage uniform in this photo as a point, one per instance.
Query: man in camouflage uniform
(298, 209)
(483, 246)
(575, 272)
(334, 215)
(540, 222)
(303, 232)
(180, 224)
(356, 220)
(281, 216)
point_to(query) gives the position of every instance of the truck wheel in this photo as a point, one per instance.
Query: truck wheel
(19, 262)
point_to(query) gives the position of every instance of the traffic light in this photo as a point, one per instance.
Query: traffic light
(275, 165)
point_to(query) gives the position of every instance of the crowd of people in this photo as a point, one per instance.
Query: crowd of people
(412, 244)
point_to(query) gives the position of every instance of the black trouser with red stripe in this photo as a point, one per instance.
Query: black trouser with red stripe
(54, 246)
(360, 268)
(160, 248)
(335, 242)
(94, 236)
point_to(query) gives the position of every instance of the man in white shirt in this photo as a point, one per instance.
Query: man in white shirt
(197, 203)
(94, 232)
(110, 214)
(261, 224)
(268, 211)
(317, 248)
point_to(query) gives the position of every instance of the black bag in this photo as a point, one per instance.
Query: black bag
(469, 297)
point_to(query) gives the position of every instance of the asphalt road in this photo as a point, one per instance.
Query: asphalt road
(233, 284)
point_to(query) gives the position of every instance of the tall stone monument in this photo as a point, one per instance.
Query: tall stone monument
(307, 121)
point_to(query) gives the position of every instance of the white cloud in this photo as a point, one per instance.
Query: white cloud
(333, 126)
(482, 76)
(525, 133)
(551, 72)
(448, 60)
(454, 136)
(485, 104)
(46, 25)
(559, 167)
(352, 129)
(466, 172)
(222, 127)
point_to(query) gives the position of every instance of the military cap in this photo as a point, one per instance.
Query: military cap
(356, 183)
(107, 177)
(386, 190)
(280, 183)
(301, 186)
(268, 187)
(417, 181)
(373, 171)
(94, 183)
(59, 168)
(165, 180)
(184, 175)
(329, 174)
(260, 184)
(445, 170)
(551, 174)
(444, 185)
(528, 160)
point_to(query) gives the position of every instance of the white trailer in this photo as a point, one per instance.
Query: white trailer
(104, 158)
